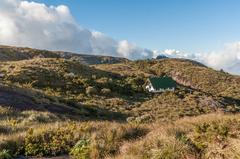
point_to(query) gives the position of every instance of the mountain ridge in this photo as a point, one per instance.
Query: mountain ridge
(9, 53)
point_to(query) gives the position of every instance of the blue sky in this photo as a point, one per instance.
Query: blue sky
(187, 25)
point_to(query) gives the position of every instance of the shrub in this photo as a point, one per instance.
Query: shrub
(212, 130)
(133, 132)
(169, 151)
(108, 141)
(4, 154)
(81, 150)
(207, 133)
(13, 147)
(50, 143)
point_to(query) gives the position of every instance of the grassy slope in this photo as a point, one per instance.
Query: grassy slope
(9, 53)
(186, 72)
(44, 134)
(210, 89)
(66, 81)
(207, 136)
(61, 83)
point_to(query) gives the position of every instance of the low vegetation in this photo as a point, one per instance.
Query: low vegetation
(9, 53)
(205, 136)
(53, 104)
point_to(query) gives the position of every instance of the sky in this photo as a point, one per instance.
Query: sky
(205, 30)
(189, 25)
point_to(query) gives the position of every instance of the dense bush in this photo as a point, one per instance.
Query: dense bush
(206, 133)
(11, 147)
(50, 143)
(4, 154)
(81, 150)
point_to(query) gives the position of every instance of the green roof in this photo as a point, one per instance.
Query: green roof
(162, 82)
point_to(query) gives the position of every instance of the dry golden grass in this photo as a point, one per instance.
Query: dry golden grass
(123, 69)
(178, 140)
(211, 136)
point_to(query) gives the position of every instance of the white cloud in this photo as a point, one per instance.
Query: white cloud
(228, 59)
(127, 49)
(24, 23)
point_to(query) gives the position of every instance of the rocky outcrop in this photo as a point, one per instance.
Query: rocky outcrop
(180, 79)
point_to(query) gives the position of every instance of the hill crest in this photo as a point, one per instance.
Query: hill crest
(11, 53)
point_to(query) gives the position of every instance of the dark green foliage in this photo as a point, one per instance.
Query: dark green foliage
(4, 154)
(81, 150)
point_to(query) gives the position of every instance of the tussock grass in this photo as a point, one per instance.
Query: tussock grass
(205, 136)
(182, 139)
(62, 107)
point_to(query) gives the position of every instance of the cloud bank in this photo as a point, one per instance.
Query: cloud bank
(25, 23)
(228, 59)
